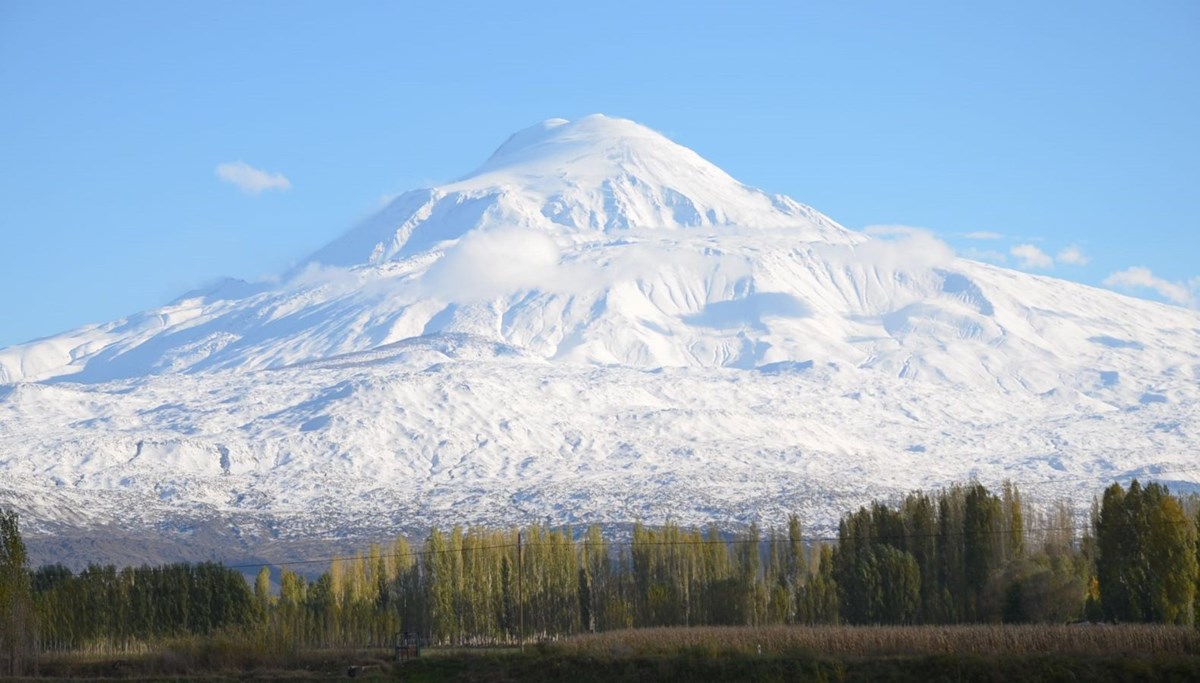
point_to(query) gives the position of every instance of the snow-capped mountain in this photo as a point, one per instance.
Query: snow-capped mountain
(595, 325)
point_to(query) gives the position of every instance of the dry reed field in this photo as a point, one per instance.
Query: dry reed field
(1087, 640)
(826, 654)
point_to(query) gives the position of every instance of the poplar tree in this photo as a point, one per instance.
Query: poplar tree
(983, 535)
(16, 613)
(1173, 567)
(951, 555)
(920, 529)
(1196, 600)
(262, 589)
(817, 600)
(1143, 568)
(899, 586)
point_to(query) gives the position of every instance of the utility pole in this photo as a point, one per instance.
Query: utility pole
(521, 590)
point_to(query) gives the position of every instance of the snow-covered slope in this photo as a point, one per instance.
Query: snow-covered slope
(597, 324)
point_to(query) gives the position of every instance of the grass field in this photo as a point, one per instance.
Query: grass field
(885, 641)
(1096, 654)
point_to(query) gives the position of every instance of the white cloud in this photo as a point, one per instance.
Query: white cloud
(983, 235)
(485, 264)
(893, 230)
(1030, 257)
(897, 247)
(251, 180)
(1074, 256)
(1140, 277)
(316, 274)
(985, 255)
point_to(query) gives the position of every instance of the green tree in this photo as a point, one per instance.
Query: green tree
(982, 531)
(818, 598)
(951, 557)
(16, 605)
(854, 568)
(1146, 564)
(1196, 600)
(1171, 540)
(262, 589)
(1014, 515)
(899, 586)
(1041, 589)
(920, 529)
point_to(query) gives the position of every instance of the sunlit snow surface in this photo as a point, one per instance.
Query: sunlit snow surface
(597, 325)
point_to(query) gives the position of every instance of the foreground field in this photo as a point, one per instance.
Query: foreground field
(1098, 654)
(1085, 640)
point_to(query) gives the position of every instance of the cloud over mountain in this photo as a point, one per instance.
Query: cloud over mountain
(251, 180)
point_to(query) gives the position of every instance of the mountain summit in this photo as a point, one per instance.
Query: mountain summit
(596, 325)
(597, 175)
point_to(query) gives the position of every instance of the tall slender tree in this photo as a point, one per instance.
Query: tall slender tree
(16, 608)
(1143, 569)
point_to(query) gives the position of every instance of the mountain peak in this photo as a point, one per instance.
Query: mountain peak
(588, 177)
(594, 136)
(594, 149)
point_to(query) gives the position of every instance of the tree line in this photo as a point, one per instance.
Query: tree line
(963, 554)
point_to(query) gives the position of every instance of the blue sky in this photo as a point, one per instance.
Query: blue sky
(1050, 125)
